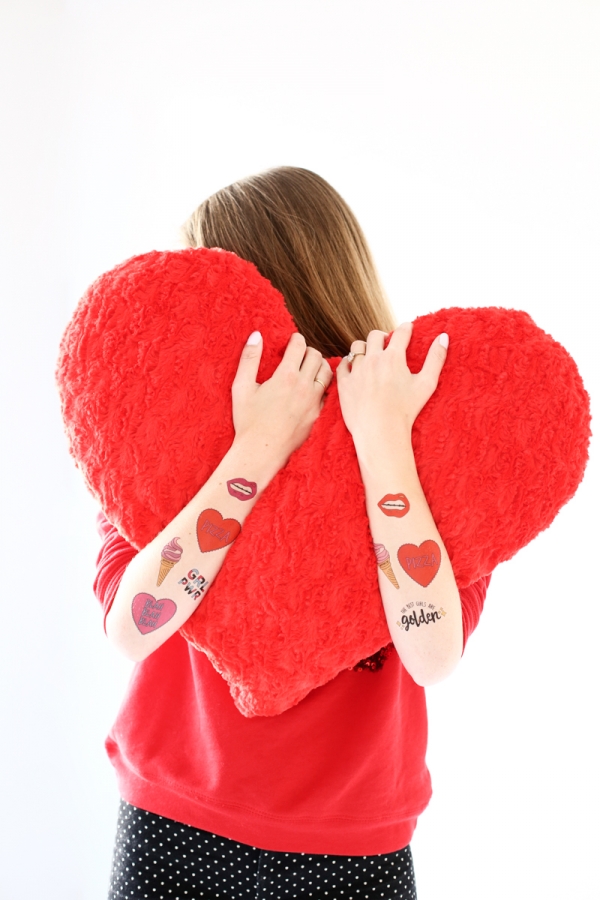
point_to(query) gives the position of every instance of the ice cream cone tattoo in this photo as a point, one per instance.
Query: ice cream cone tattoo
(421, 563)
(150, 614)
(242, 489)
(383, 561)
(214, 532)
(396, 505)
(170, 554)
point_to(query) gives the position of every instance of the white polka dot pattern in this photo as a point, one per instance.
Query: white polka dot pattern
(158, 859)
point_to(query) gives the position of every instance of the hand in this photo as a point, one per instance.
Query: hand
(378, 393)
(279, 413)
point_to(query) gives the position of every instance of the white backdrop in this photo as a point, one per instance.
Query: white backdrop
(465, 136)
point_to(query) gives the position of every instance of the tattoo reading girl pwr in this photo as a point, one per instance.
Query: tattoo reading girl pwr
(195, 584)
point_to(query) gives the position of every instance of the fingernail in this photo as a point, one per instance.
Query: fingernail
(255, 338)
(444, 340)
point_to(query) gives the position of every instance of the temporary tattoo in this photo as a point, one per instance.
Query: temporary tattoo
(420, 604)
(424, 614)
(150, 614)
(170, 554)
(422, 562)
(242, 489)
(194, 584)
(418, 619)
(215, 532)
(383, 561)
(396, 505)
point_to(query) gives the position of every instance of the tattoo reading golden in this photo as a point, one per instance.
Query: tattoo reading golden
(419, 613)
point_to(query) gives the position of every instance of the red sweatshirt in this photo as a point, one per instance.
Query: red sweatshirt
(343, 772)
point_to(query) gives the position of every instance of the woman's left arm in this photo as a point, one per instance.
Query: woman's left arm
(380, 399)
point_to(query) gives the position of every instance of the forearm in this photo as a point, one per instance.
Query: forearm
(145, 614)
(424, 610)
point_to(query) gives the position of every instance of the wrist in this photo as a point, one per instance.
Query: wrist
(381, 450)
(261, 460)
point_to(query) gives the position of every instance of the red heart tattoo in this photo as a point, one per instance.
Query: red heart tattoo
(214, 532)
(150, 614)
(422, 562)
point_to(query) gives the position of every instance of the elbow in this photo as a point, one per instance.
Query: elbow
(427, 679)
(426, 674)
(133, 655)
(119, 638)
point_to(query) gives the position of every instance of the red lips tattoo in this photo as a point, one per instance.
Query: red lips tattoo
(150, 614)
(422, 562)
(396, 505)
(242, 489)
(214, 532)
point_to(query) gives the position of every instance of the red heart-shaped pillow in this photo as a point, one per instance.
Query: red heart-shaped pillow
(145, 372)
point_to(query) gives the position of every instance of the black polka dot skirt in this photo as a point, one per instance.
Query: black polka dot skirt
(159, 859)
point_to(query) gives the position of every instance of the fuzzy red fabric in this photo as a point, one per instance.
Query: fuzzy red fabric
(144, 374)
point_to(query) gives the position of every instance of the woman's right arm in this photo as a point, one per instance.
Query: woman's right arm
(271, 420)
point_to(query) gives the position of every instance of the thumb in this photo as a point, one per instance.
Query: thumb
(247, 370)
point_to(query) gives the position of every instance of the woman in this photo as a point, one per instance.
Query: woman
(321, 800)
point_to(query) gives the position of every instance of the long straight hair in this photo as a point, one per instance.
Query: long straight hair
(303, 237)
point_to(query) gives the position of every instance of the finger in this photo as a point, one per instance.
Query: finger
(343, 370)
(358, 347)
(434, 362)
(324, 376)
(294, 353)
(311, 363)
(247, 369)
(358, 350)
(401, 336)
(375, 341)
(322, 382)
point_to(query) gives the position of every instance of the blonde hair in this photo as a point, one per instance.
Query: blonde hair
(303, 237)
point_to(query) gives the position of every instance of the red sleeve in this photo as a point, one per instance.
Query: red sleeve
(471, 600)
(115, 555)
